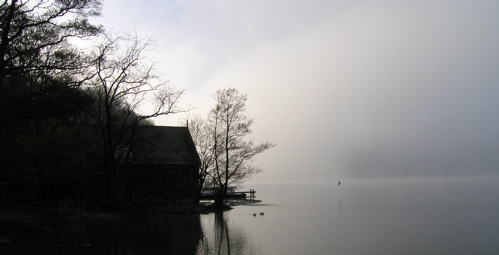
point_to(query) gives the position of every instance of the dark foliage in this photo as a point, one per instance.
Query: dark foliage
(55, 146)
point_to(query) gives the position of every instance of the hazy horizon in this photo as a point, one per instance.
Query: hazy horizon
(346, 89)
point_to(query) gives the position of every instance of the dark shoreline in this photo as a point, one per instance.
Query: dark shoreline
(33, 220)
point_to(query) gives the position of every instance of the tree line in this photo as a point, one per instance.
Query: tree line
(52, 88)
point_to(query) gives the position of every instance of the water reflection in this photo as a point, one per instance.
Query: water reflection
(214, 233)
(160, 234)
(339, 208)
(220, 237)
(371, 217)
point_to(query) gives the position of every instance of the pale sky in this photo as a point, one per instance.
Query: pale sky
(346, 89)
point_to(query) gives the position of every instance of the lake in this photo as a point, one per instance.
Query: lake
(413, 216)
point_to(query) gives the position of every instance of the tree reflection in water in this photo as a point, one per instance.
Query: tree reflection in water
(221, 238)
(151, 235)
(212, 233)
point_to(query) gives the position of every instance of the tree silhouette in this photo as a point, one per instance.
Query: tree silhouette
(232, 152)
(123, 82)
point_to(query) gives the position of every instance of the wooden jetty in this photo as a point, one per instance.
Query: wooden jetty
(210, 194)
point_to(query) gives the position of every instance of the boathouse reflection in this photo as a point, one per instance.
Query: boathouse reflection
(194, 234)
(155, 234)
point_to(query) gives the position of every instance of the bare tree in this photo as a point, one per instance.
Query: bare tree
(201, 135)
(128, 93)
(231, 151)
(34, 34)
(36, 58)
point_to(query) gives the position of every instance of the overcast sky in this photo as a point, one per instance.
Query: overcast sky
(347, 89)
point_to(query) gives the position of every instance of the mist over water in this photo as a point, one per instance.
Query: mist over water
(387, 216)
(414, 216)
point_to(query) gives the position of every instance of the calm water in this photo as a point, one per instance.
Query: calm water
(441, 216)
(371, 217)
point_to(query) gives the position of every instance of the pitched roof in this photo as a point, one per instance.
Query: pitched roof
(164, 145)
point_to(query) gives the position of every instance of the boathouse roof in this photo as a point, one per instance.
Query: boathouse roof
(164, 145)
